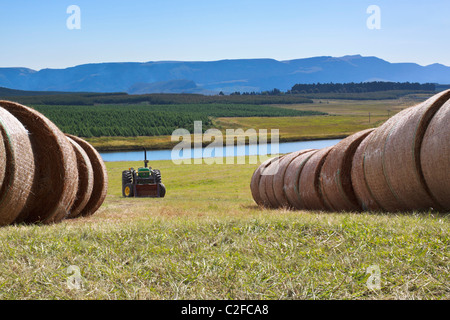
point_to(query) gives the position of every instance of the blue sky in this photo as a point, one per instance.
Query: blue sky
(34, 34)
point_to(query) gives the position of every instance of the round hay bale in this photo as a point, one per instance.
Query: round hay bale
(278, 193)
(100, 187)
(2, 159)
(266, 184)
(85, 180)
(401, 159)
(374, 170)
(362, 192)
(256, 179)
(291, 180)
(335, 176)
(17, 167)
(435, 157)
(56, 179)
(309, 182)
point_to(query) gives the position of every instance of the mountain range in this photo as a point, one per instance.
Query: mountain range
(211, 77)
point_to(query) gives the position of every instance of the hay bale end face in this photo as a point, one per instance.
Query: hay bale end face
(335, 176)
(56, 179)
(266, 184)
(435, 157)
(100, 186)
(291, 180)
(18, 168)
(2, 159)
(309, 181)
(85, 180)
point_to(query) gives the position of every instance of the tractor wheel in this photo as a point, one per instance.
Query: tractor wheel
(157, 176)
(128, 190)
(162, 190)
(127, 177)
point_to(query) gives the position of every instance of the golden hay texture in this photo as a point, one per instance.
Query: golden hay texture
(401, 157)
(335, 176)
(2, 159)
(309, 181)
(435, 157)
(291, 180)
(278, 179)
(18, 165)
(56, 180)
(100, 187)
(85, 180)
(256, 179)
(266, 184)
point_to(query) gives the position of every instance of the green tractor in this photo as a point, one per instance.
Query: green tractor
(143, 182)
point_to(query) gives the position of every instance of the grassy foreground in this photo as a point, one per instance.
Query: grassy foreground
(207, 240)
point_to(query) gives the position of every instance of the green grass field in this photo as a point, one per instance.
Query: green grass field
(208, 240)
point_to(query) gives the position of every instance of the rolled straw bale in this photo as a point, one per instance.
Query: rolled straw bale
(100, 187)
(256, 179)
(18, 167)
(56, 179)
(435, 157)
(335, 176)
(309, 181)
(2, 159)
(365, 198)
(266, 184)
(291, 180)
(402, 155)
(278, 179)
(85, 180)
(374, 170)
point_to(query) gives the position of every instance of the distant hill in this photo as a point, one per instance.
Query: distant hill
(245, 75)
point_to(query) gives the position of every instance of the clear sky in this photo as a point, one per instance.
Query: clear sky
(34, 34)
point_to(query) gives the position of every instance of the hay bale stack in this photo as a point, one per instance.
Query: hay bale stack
(309, 182)
(335, 176)
(362, 192)
(378, 189)
(56, 180)
(435, 157)
(278, 179)
(18, 168)
(2, 158)
(402, 155)
(85, 180)
(291, 180)
(100, 186)
(256, 180)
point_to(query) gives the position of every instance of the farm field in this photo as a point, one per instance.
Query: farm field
(343, 117)
(208, 240)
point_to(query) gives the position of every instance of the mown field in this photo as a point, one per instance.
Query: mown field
(208, 240)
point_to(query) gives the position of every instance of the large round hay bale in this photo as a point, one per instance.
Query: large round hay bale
(335, 176)
(362, 192)
(56, 179)
(85, 180)
(291, 180)
(17, 166)
(402, 155)
(435, 157)
(100, 187)
(278, 179)
(2, 158)
(266, 183)
(256, 179)
(374, 169)
(309, 181)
